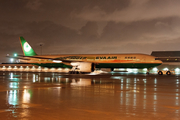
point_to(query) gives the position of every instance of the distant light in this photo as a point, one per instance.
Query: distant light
(66, 68)
(52, 69)
(135, 70)
(177, 69)
(11, 59)
(59, 68)
(129, 70)
(15, 55)
(155, 69)
(116, 77)
(122, 69)
(166, 69)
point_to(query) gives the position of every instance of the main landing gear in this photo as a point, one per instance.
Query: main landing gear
(74, 70)
(164, 72)
(160, 73)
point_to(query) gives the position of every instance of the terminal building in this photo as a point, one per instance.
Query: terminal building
(167, 56)
(26, 67)
(170, 59)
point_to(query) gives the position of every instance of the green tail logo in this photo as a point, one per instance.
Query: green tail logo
(27, 49)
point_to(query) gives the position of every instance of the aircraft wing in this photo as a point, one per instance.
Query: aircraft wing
(42, 58)
(18, 57)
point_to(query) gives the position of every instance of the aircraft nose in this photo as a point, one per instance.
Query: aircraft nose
(158, 61)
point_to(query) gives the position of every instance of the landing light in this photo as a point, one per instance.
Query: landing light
(74, 64)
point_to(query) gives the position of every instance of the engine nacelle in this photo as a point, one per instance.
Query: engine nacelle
(82, 66)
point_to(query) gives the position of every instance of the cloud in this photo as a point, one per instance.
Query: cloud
(142, 31)
(90, 29)
(141, 37)
(90, 26)
(137, 10)
(33, 4)
(56, 38)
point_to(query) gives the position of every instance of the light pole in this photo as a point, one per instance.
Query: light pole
(41, 47)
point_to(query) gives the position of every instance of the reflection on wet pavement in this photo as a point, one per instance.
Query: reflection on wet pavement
(105, 96)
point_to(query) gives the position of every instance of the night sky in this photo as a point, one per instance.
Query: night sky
(90, 26)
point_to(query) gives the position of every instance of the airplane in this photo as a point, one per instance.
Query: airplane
(86, 63)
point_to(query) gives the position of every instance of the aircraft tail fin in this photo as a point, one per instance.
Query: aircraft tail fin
(27, 49)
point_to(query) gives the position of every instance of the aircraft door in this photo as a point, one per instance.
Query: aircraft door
(143, 59)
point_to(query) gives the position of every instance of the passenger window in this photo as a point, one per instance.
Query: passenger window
(129, 57)
(125, 57)
(134, 57)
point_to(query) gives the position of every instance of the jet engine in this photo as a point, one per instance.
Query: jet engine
(82, 67)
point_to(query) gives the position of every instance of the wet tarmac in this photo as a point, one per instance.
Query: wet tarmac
(115, 96)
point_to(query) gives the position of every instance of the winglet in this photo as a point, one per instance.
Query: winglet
(27, 49)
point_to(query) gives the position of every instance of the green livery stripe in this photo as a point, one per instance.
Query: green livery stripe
(27, 49)
(102, 65)
(127, 65)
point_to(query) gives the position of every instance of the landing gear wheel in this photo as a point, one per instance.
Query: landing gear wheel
(76, 72)
(168, 73)
(160, 73)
